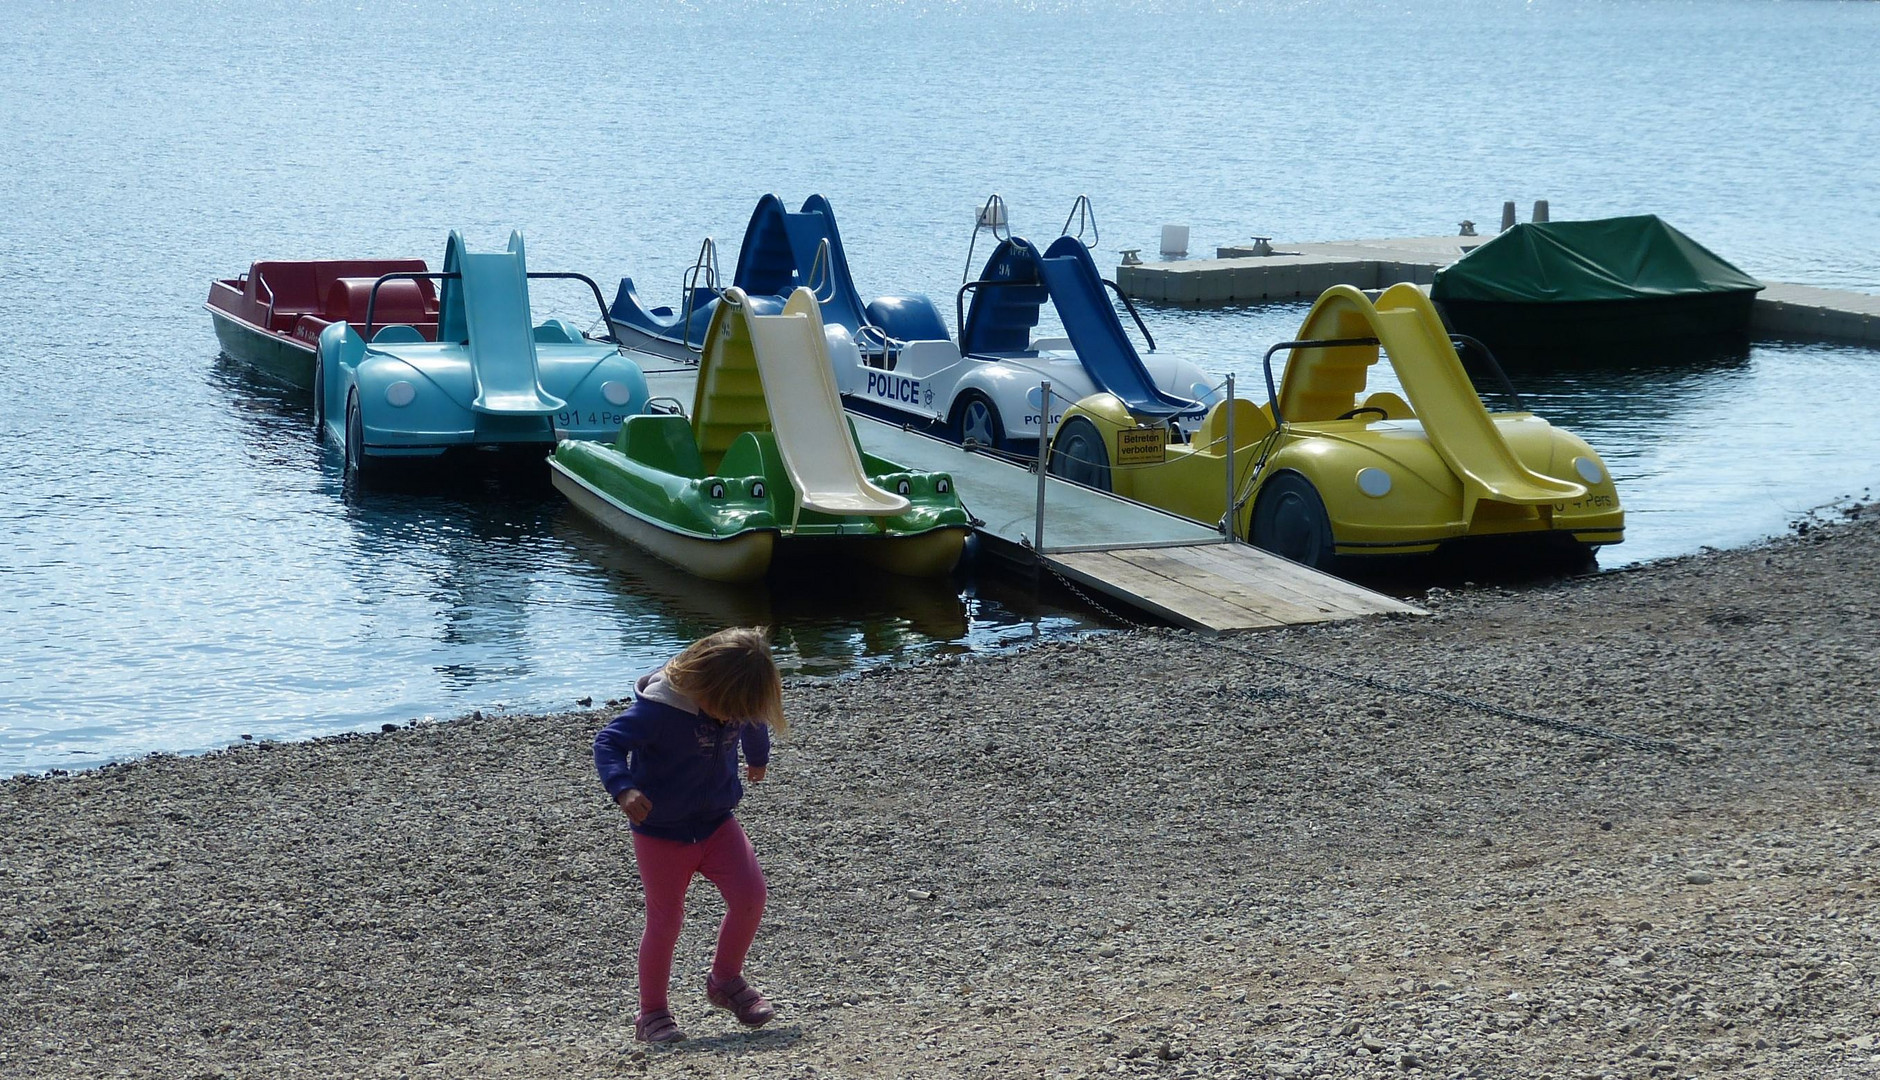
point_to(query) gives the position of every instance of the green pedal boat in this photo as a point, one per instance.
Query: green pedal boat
(767, 465)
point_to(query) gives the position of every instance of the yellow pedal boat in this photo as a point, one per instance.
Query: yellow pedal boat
(1325, 470)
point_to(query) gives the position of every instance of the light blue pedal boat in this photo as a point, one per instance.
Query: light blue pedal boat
(489, 380)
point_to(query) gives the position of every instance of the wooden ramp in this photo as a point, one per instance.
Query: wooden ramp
(1222, 587)
(1128, 555)
(1123, 553)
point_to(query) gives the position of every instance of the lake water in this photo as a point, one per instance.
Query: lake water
(181, 566)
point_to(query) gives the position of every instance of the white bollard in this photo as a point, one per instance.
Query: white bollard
(1175, 240)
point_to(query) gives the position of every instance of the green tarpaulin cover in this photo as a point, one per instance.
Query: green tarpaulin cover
(1624, 258)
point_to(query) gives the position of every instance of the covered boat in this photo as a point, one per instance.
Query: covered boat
(767, 462)
(1625, 287)
(271, 317)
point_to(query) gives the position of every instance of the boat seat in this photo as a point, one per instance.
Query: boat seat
(400, 301)
(663, 442)
(1395, 407)
(1251, 423)
(291, 286)
(397, 334)
(557, 332)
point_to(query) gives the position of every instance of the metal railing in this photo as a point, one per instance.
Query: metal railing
(706, 267)
(372, 300)
(1047, 452)
(991, 219)
(1086, 217)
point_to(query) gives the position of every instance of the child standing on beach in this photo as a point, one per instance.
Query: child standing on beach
(671, 763)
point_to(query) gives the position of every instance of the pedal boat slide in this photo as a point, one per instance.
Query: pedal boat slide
(1321, 473)
(768, 465)
(894, 357)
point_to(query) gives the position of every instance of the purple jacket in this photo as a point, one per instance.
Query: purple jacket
(683, 761)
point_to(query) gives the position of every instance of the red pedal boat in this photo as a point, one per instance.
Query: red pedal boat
(272, 316)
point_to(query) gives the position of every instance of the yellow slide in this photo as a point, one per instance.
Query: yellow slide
(1457, 424)
(806, 414)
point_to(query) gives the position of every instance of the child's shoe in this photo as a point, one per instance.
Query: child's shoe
(657, 1026)
(737, 996)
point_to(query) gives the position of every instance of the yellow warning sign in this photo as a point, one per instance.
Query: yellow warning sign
(1142, 446)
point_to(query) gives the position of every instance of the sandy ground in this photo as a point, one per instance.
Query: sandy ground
(1138, 853)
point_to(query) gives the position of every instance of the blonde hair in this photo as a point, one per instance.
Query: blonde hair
(732, 677)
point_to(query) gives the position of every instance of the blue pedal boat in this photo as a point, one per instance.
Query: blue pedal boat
(488, 380)
(781, 252)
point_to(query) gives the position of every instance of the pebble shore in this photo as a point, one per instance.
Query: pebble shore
(1635, 834)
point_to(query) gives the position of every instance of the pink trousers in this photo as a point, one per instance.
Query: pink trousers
(726, 860)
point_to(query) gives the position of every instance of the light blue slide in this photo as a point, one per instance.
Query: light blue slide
(487, 307)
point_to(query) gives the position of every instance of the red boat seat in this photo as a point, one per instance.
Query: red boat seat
(292, 286)
(400, 301)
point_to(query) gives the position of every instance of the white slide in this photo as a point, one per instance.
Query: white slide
(806, 413)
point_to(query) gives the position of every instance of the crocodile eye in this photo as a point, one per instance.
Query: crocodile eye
(943, 485)
(717, 491)
(903, 487)
(757, 489)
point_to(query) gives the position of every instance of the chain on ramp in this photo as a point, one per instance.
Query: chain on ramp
(1567, 727)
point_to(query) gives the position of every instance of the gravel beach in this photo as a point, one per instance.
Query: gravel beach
(1139, 853)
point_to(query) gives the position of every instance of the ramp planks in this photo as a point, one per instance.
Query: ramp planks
(1221, 587)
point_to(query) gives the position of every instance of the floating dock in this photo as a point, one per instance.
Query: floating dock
(1134, 556)
(1240, 275)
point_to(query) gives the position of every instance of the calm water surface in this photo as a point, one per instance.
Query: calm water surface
(181, 565)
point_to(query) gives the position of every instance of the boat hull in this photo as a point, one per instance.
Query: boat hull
(930, 554)
(738, 558)
(276, 355)
(1586, 333)
(639, 340)
(749, 555)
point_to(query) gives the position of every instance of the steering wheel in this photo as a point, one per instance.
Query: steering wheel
(1352, 414)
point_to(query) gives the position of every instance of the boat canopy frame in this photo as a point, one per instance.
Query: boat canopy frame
(452, 275)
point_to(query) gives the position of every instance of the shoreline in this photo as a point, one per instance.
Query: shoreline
(1826, 515)
(1136, 852)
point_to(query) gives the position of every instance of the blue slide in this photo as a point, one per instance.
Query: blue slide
(778, 255)
(486, 306)
(1017, 281)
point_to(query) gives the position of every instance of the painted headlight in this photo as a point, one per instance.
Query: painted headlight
(400, 394)
(1588, 469)
(616, 392)
(1374, 482)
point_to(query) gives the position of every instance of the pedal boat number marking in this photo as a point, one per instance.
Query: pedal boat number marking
(591, 418)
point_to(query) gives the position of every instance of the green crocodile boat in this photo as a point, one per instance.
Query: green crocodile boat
(767, 464)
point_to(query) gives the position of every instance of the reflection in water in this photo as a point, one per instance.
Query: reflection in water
(476, 543)
(825, 617)
(275, 419)
(1591, 397)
